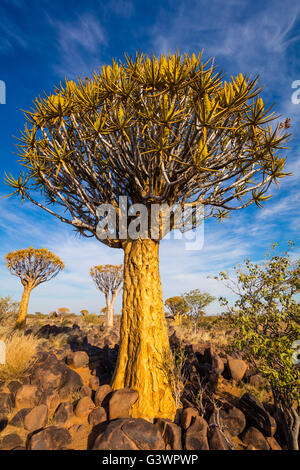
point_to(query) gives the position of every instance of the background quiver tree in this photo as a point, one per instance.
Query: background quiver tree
(108, 279)
(178, 307)
(33, 267)
(159, 130)
(84, 312)
(196, 302)
(265, 320)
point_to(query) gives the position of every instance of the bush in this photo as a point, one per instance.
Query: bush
(20, 353)
(8, 307)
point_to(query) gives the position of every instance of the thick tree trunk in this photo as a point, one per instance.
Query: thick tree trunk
(144, 342)
(21, 320)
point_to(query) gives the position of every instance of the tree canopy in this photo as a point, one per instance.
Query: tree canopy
(158, 130)
(34, 266)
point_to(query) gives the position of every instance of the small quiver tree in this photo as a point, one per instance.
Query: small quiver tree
(196, 302)
(162, 131)
(84, 312)
(108, 279)
(266, 324)
(33, 267)
(178, 307)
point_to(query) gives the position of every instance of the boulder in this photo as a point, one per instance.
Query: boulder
(145, 435)
(51, 438)
(237, 368)
(63, 413)
(7, 403)
(219, 440)
(53, 374)
(84, 406)
(196, 435)
(120, 403)
(27, 396)
(18, 419)
(94, 383)
(256, 414)
(113, 438)
(187, 416)
(11, 441)
(273, 443)
(14, 386)
(85, 391)
(97, 416)
(253, 436)
(36, 418)
(171, 434)
(101, 394)
(230, 418)
(3, 422)
(78, 359)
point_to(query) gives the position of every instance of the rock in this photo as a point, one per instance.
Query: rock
(237, 368)
(273, 443)
(196, 435)
(84, 406)
(97, 416)
(94, 383)
(171, 434)
(18, 419)
(120, 403)
(85, 391)
(51, 438)
(50, 398)
(187, 416)
(101, 393)
(256, 414)
(3, 422)
(257, 381)
(11, 441)
(145, 435)
(78, 359)
(52, 374)
(254, 437)
(219, 440)
(113, 438)
(230, 418)
(212, 358)
(36, 418)
(27, 396)
(63, 413)
(6, 403)
(14, 386)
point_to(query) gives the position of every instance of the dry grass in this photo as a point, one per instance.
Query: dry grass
(20, 353)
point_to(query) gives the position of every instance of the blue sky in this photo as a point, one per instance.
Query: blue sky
(42, 42)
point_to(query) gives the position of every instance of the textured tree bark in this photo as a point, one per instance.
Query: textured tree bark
(144, 340)
(21, 320)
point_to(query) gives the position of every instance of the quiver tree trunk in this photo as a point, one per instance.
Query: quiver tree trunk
(21, 320)
(144, 342)
(110, 302)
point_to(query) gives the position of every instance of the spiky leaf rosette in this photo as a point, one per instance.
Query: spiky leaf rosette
(108, 278)
(34, 266)
(158, 130)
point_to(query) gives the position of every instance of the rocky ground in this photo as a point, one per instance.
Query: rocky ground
(66, 401)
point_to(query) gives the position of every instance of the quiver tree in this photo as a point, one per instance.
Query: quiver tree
(33, 267)
(109, 280)
(160, 131)
(178, 307)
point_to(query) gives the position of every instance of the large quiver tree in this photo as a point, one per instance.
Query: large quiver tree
(108, 279)
(160, 131)
(33, 267)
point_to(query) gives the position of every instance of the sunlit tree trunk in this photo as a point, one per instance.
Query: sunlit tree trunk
(144, 342)
(21, 320)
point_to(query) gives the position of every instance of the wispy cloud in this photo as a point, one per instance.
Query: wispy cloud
(79, 44)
